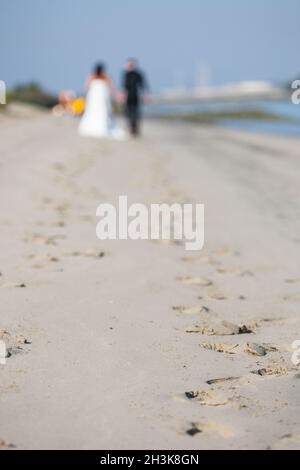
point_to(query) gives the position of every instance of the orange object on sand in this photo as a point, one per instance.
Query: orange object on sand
(78, 106)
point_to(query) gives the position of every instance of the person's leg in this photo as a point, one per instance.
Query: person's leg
(136, 120)
(129, 117)
(133, 118)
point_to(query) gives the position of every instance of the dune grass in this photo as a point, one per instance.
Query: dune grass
(217, 116)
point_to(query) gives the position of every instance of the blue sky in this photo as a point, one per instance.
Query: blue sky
(56, 42)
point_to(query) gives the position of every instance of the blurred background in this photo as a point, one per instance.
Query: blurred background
(230, 63)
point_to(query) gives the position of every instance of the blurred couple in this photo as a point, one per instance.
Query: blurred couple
(98, 120)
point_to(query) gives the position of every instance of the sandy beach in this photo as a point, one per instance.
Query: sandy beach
(142, 344)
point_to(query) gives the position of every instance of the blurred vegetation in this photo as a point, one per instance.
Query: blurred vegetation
(31, 93)
(211, 117)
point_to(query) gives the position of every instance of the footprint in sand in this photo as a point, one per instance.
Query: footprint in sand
(86, 218)
(259, 322)
(289, 441)
(195, 281)
(207, 398)
(15, 343)
(89, 253)
(271, 372)
(191, 310)
(247, 274)
(58, 167)
(20, 285)
(211, 429)
(225, 251)
(232, 270)
(58, 223)
(41, 261)
(62, 208)
(219, 397)
(6, 445)
(14, 351)
(223, 348)
(253, 349)
(231, 382)
(292, 281)
(222, 329)
(292, 297)
(200, 259)
(235, 271)
(222, 251)
(47, 200)
(40, 239)
(215, 295)
(168, 242)
(236, 391)
(11, 387)
(223, 380)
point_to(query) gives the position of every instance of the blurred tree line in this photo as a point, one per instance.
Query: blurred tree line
(32, 93)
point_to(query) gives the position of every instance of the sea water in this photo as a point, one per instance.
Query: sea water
(286, 109)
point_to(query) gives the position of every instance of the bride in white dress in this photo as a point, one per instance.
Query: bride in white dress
(97, 120)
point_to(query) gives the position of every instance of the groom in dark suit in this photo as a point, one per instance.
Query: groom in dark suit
(134, 85)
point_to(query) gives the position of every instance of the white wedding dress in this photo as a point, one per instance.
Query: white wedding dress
(97, 120)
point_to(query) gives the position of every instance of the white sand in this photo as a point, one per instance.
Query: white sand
(110, 359)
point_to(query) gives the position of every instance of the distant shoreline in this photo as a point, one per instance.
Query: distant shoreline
(217, 116)
(257, 120)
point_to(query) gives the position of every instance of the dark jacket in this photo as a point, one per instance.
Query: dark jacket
(134, 85)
